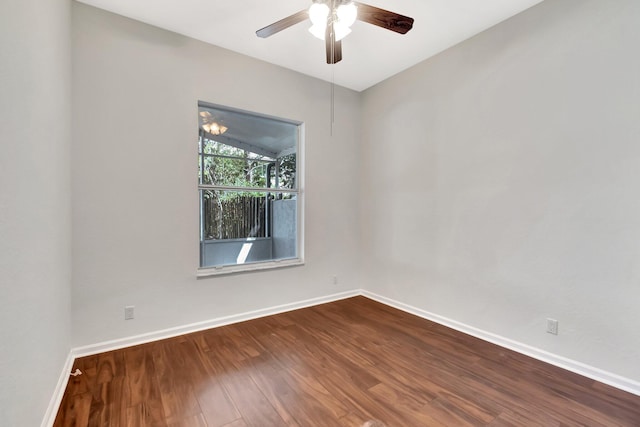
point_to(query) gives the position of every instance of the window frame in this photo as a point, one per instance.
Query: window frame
(207, 271)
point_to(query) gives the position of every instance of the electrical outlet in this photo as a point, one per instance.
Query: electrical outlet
(335, 280)
(552, 326)
(128, 312)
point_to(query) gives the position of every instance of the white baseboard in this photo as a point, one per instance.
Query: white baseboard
(88, 350)
(597, 374)
(207, 324)
(56, 399)
(605, 377)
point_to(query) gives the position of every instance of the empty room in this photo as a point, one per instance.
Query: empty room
(319, 213)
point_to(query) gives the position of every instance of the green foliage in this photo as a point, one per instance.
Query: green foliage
(230, 166)
(239, 214)
(287, 171)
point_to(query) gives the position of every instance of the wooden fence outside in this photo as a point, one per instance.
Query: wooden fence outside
(236, 217)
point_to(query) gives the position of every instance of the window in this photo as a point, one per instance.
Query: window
(249, 187)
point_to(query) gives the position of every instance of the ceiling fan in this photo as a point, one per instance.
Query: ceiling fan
(331, 21)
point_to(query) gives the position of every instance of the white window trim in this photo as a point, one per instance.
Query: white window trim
(253, 266)
(202, 272)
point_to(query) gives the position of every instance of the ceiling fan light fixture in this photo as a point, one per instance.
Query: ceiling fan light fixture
(340, 15)
(214, 128)
(341, 30)
(318, 30)
(318, 14)
(347, 14)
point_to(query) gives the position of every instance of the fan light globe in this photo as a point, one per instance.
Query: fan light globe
(318, 30)
(347, 14)
(318, 13)
(341, 30)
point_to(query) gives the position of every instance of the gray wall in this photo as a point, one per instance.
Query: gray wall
(504, 188)
(35, 229)
(135, 204)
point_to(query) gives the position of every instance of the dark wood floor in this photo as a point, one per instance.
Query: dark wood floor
(338, 364)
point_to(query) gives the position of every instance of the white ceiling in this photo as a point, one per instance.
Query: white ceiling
(370, 54)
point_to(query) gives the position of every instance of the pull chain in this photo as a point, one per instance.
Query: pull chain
(333, 96)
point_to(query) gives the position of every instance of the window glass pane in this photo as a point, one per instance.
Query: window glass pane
(233, 215)
(287, 172)
(245, 169)
(210, 146)
(236, 172)
(258, 155)
(244, 227)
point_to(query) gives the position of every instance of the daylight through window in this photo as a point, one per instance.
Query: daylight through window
(248, 182)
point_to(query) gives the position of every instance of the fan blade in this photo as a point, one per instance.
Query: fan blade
(334, 47)
(384, 18)
(283, 24)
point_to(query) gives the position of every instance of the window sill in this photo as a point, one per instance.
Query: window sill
(239, 268)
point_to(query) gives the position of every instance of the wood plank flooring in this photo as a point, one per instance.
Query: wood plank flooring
(337, 364)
